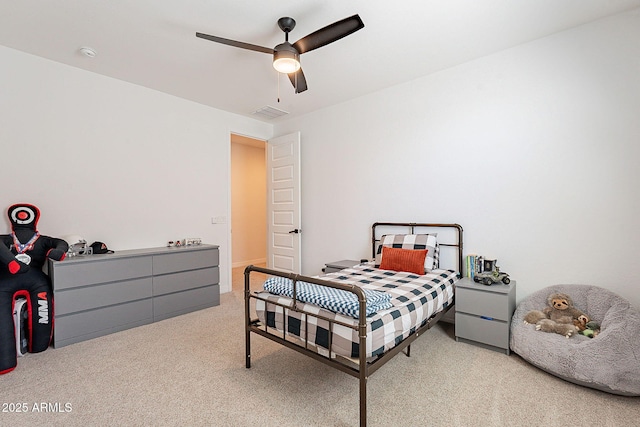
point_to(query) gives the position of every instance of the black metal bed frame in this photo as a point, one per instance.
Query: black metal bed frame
(363, 369)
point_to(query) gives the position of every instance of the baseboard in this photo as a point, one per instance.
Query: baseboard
(248, 262)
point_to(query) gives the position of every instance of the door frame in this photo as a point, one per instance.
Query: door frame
(229, 212)
(261, 144)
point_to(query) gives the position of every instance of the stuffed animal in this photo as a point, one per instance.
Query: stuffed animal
(22, 255)
(548, 325)
(560, 316)
(591, 329)
(580, 323)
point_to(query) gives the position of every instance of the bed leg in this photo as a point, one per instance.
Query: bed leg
(247, 357)
(409, 350)
(247, 316)
(363, 401)
(362, 357)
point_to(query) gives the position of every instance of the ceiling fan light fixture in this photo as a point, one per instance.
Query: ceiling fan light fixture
(286, 56)
(286, 59)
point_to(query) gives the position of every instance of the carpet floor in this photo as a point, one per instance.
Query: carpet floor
(189, 371)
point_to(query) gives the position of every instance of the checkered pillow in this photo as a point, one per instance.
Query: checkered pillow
(411, 241)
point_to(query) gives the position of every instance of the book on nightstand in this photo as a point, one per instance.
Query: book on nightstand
(474, 265)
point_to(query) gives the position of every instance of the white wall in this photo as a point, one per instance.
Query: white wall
(533, 151)
(112, 161)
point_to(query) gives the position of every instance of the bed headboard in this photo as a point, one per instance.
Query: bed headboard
(449, 237)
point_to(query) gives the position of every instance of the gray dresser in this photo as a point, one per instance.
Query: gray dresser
(483, 313)
(95, 295)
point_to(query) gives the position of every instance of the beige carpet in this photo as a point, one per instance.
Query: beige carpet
(189, 371)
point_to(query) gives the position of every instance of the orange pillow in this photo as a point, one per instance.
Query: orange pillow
(398, 259)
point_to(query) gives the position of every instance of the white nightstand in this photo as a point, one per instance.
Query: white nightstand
(483, 313)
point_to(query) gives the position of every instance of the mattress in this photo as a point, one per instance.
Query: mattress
(414, 299)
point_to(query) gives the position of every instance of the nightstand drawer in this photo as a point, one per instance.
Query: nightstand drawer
(483, 303)
(491, 332)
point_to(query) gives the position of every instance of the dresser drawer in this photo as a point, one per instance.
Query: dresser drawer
(71, 274)
(170, 305)
(80, 299)
(474, 328)
(176, 282)
(483, 303)
(188, 260)
(102, 321)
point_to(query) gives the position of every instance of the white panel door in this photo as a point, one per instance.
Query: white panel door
(283, 203)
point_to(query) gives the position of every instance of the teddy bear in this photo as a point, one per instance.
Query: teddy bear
(560, 316)
(23, 253)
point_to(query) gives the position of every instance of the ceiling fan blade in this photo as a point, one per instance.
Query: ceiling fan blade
(235, 43)
(298, 81)
(329, 34)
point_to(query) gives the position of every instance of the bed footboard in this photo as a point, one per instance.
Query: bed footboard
(252, 325)
(363, 368)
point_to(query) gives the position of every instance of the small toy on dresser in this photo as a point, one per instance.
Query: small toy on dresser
(189, 241)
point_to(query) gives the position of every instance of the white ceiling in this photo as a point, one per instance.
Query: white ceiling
(152, 42)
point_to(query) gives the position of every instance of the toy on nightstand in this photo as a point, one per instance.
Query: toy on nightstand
(490, 277)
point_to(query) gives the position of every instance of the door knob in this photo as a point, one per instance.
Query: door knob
(294, 231)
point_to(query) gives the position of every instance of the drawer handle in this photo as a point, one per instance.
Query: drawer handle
(486, 318)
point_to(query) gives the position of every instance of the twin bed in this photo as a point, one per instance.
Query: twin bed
(357, 319)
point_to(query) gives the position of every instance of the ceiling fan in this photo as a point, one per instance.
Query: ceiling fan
(286, 56)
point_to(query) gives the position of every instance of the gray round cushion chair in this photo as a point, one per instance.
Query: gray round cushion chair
(609, 362)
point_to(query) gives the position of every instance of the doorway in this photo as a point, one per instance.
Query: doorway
(248, 202)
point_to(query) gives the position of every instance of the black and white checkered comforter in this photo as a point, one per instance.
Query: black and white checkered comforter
(414, 300)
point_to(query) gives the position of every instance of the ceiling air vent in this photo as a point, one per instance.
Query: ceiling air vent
(269, 112)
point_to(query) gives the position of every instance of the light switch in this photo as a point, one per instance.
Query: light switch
(219, 220)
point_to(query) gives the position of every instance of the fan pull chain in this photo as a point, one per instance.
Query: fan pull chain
(278, 78)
